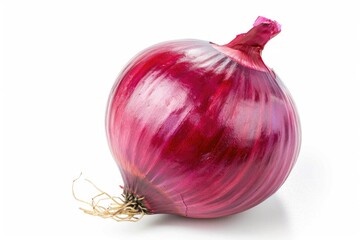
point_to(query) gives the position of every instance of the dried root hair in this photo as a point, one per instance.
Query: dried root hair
(127, 207)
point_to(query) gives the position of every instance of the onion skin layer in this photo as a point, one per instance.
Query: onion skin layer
(203, 130)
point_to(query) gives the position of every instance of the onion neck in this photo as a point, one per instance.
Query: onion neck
(255, 39)
(246, 48)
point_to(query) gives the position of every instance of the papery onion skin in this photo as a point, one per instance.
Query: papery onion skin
(203, 130)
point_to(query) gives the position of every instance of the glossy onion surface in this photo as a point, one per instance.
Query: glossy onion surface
(203, 130)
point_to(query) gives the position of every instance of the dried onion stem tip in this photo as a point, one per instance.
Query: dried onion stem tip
(127, 207)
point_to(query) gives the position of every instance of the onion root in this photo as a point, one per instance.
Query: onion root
(128, 207)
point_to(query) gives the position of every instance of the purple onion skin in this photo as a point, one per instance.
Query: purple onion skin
(203, 130)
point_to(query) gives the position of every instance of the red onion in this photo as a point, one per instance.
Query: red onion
(202, 130)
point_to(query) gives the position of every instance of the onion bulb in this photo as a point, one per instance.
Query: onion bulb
(202, 130)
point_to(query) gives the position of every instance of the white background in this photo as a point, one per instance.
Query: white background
(59, 60)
